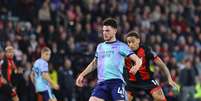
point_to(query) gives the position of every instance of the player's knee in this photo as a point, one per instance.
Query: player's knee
(15, 98)
(95, 99)
(160, 98)
(130, 96)
(54, 99)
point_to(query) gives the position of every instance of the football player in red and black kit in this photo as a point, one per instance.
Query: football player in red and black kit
(143, 80)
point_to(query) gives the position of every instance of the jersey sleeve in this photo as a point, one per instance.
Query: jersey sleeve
(151, 54)
(125, 50)
(96, 53)
(44, 67)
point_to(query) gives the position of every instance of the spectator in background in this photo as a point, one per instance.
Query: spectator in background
(66, 81)
(30, 90)
(54, 76)
(44, 12)
(1, 58)
(8, 68)
(187, 80)
(20, 84)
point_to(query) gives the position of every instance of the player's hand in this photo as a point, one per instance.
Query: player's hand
(136, 67)
(79, 81)
(173, 84)
(133, 70)
(56, 86)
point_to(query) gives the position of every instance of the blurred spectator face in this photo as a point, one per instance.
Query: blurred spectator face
(9, 25)
(39, 28)
(67, 64)
(188, 63)
(51, 29)
(109, 33)
(1, 25)
(1, 54)
(133, 42)
(9, 52)
(197, 29)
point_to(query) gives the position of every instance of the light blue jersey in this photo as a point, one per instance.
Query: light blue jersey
(110, 60)
(39, 67)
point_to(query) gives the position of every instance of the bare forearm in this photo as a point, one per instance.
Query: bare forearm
(164, 68)
(91, 67)
(137, 60)
(47, 77)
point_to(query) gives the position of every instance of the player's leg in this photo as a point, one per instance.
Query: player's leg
(118, 91)
(93, 98)
(51, 96)
(130, 90)
(157, 94)
(129, 95)
(53, 99)
(15, 98)
(100, 92)
(47, 96)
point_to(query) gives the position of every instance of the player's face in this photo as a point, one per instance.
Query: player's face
(133, 42)
(109, 33)
(47, 55)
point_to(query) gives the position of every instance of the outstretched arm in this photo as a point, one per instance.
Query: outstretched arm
(91, 67)
(138, 63)
(162, 66)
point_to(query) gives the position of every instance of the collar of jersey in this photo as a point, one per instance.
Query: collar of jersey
(111, 42)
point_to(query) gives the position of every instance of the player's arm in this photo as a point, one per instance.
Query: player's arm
(164, 68)
(32, 77)
(91, 67)
(138, 63)
(46, 76)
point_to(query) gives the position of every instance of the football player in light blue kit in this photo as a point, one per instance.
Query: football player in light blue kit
(109, 61)
(41, 78)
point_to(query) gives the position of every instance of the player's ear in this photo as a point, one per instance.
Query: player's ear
(115, 30)
(138, 40)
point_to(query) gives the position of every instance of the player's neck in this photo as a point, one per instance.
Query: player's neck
(112, 40)
(43, 58)
(137, 47)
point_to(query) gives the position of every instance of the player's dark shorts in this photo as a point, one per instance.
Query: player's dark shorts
(7, 92)
(149, 87)
(46, 95)
(110, 90)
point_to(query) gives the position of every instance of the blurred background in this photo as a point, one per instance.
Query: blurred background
(72, 28)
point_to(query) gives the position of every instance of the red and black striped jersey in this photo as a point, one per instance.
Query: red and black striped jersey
(144, 72)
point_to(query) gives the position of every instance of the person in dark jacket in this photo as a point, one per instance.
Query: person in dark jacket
(187, 79)
(66, 81)
(7, 70)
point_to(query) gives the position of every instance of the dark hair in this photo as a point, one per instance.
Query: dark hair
(133, 33)
(110, 22)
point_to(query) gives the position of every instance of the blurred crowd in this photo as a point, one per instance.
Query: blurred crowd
(72, 29)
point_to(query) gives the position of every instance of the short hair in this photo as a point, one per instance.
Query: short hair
(45, 49)
(133, 33)
(9, 48)
(110, 22)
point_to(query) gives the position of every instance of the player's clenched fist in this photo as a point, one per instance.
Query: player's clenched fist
(79, 81)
